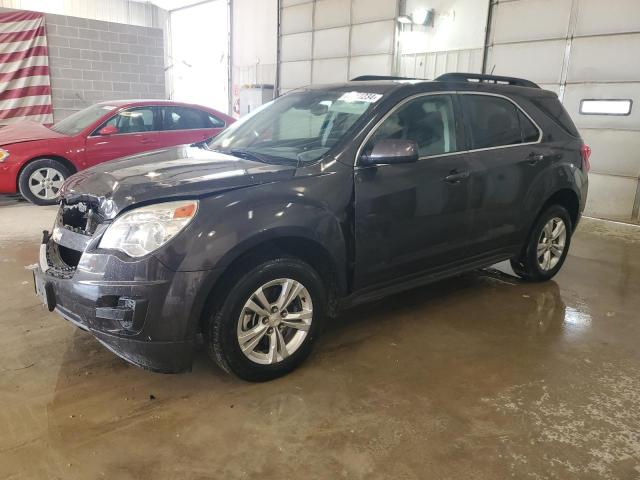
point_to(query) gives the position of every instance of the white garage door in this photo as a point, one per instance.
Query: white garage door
(587, 52)
(327, 41)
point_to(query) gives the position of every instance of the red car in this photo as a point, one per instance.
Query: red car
(35, 160)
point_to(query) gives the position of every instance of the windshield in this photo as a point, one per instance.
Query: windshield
(78, 121)
(298, 127)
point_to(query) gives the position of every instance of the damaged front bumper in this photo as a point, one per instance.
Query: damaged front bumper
(138, 308)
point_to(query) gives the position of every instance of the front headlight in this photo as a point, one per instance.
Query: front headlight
(145, 229)
(3, 155)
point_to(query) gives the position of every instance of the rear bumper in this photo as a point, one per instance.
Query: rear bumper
(140, 310)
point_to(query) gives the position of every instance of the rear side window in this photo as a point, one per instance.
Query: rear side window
(182, 118)
(214, 122)
(497, 122)
(552, 108)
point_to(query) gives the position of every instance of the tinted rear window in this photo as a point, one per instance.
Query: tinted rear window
(497, 122)
(552, 107)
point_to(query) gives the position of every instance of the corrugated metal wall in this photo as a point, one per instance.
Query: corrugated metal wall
(582, 49)
(326, 41)
(429, 65)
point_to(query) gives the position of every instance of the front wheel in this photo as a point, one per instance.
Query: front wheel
(547, 246)
(41, 180)
(269, 321)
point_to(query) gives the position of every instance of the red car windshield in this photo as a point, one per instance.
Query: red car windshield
(75, 123)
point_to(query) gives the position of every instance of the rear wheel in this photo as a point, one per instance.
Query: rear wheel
(547, 246)
(41, 180)
(269, 321)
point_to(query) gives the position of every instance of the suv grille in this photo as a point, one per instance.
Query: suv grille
(80, 217)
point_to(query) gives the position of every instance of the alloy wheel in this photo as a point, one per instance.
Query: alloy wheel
(275, 321)
(45, 183)
(551, 244)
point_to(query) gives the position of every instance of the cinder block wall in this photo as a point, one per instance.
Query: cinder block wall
(91, 61)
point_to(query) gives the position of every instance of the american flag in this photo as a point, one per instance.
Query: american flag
(25, 86)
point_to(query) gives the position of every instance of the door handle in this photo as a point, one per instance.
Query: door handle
(145, 140)
(534, 158)
(456, 176)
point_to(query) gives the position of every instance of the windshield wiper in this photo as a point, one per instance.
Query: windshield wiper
(251, 155)
(248, 155)
(202, 144)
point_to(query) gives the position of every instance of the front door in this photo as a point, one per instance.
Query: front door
(414, 217)
(136, 131)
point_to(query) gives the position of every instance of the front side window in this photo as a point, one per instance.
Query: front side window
(297, 127)
(497, 122)
(133, 120)
(429, 121)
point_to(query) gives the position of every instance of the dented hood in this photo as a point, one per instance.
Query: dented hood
(183, 171)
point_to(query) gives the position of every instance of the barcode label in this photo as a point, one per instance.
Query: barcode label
(360, 97)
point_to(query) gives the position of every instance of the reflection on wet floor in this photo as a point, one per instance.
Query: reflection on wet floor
(480, 376)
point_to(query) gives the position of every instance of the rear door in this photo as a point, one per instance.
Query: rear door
(185, 125)
(137, 131)
(506, 157)
(414, 217)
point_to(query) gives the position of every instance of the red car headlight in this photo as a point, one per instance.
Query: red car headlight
(3, 155)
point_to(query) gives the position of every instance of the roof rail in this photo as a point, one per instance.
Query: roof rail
(477, 77)
(366, 78)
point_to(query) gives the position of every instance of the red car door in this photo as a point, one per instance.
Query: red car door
(184, 125)
(130, 131)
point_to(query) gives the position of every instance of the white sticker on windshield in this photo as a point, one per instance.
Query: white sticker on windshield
(360, 97)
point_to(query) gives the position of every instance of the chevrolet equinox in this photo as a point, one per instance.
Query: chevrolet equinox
(323, 198)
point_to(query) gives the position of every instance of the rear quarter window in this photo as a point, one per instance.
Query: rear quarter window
(553, 109)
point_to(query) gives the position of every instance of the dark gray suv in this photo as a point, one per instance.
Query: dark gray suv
(324, 198)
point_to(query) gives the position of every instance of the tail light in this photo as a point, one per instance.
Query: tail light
(585, 151)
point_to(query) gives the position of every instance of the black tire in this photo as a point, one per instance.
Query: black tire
(42, 165)
(221, 331)
(527, 266)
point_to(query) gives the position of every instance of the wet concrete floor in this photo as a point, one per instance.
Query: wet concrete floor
(478, 377)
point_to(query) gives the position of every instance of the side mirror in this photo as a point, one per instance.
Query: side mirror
(108, 130)
(389, 151)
